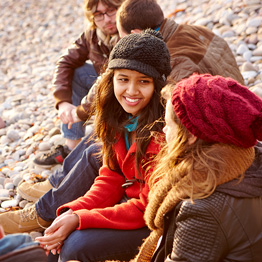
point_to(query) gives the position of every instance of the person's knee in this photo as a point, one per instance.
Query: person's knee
(75, 249)
(85, 75)
(70, 249)
(68, 252)
(93, 155)
(79, 72)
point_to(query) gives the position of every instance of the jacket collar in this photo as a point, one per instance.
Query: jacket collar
(153, 147)
(168, 28)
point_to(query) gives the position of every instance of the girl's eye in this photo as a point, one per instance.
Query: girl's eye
(144, 81)
(123, 79)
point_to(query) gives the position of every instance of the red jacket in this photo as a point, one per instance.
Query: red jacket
(99, 207)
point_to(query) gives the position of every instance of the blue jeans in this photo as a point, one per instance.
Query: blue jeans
(101, 244)
(80, 168)
(56, 178)
(15, 241)
(84, 77)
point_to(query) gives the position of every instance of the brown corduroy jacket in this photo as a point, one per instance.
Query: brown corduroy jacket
(196, 49)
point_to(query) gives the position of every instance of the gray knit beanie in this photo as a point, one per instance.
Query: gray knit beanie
(146, 53)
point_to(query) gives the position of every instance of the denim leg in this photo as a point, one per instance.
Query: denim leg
(103, 244)
(13, 242)
(56, 178)
(77, 182)
(83, 79)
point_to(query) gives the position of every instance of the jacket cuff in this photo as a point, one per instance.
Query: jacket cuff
(82, 113)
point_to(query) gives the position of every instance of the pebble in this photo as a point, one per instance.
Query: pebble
(10, 203)
(44, 146)
(4, 193)
(13, 135)
(38, 32)
(9, 186)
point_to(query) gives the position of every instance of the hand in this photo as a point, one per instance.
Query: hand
(60, 229)
(75, 118)
(67, 114)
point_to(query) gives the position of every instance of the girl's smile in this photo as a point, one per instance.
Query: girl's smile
(132, 101)
(132, 89)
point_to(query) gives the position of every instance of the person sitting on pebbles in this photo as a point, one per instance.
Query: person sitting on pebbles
(81, 166)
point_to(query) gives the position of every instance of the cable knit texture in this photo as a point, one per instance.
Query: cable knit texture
(165, 195)
(204, 102)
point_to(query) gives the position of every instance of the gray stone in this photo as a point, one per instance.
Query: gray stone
(248, 67)
(9, 203)
(254, 22)
(17, 179)
(249, 74)
(9, 186)
(44, 146)
(13, 135)
(4, 193)
(242, 49)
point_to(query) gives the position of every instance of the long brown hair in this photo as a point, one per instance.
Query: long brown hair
(110, 119)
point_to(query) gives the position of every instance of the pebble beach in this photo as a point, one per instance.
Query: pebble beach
(35, 33)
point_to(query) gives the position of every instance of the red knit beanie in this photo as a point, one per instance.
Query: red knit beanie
(218, 109)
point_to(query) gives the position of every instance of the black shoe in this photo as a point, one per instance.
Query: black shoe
(55, 157)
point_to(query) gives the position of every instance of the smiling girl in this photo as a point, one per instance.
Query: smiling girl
(107, 222)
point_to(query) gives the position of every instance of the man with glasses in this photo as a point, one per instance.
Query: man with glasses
(77, 70)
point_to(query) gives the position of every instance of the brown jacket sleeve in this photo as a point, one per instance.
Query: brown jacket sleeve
(75, 56)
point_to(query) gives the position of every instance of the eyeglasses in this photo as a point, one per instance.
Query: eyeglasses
(100, 16)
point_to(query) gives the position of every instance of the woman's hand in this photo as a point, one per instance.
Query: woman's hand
(60, 229)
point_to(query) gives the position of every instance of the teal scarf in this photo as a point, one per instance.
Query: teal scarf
(129, 128)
